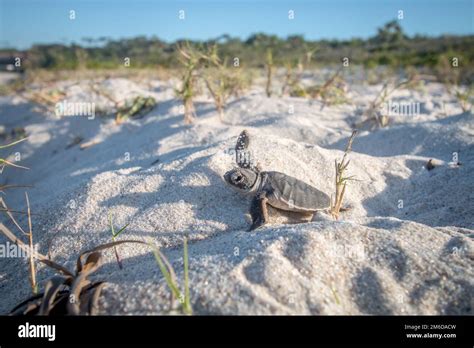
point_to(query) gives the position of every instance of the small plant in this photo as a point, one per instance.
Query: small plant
(139, 107)
(47, 97)
(452, 77)
(269, 68)
(115, 235)
(293, 75)
(445, 71)
(374, 113)
(298, 91)
(170, 277)
(222, 83)
(289, 78)
(72, 293)
(291, 84)
(341, 179)
(465, 97)
(191, 60)
(69, 293)
(331, 92)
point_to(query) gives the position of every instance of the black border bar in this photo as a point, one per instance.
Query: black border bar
(314, 330)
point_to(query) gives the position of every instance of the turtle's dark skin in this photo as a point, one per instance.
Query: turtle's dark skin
(279, 190)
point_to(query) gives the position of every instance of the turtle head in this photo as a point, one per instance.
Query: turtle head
(243, 179)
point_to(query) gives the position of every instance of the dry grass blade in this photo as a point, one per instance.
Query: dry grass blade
(15, 211)
(4, 162)
(88, 144)
(80, 282)
(28, 307)
(13, 143)
(94, 301)
(103, 247)
(40, 257)
(34, 286)
(22, 308)
(4, 187)
(51, 290)
(8, 212)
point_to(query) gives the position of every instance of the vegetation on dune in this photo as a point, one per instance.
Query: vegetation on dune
(192, 59)
(72, 292)
(390, 47)
(293, 75)
(137, 108)
(222, 83)
(375, 115)
(269, 67)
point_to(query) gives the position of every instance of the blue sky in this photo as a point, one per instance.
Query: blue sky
(27, 22)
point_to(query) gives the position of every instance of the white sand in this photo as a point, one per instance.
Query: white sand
(377, 259)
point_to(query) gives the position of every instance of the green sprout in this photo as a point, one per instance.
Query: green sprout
(341, 179)
(170, 278)
(139, 107)
(114, 236)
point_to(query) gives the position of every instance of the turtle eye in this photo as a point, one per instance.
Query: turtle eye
(238, 178)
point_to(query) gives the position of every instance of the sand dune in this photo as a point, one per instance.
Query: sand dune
(404, 247)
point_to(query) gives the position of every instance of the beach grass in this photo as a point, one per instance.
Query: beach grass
(341, 179)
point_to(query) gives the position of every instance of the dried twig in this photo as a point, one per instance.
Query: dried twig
(34, 286)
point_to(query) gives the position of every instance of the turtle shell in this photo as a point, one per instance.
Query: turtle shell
(289, 193)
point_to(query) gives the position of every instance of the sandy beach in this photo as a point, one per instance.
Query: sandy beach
(404, 247)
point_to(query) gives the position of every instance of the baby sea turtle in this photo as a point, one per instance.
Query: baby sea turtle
(279, 190)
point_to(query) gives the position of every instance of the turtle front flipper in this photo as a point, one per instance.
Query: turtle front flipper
(259, 211)
(242, 156)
